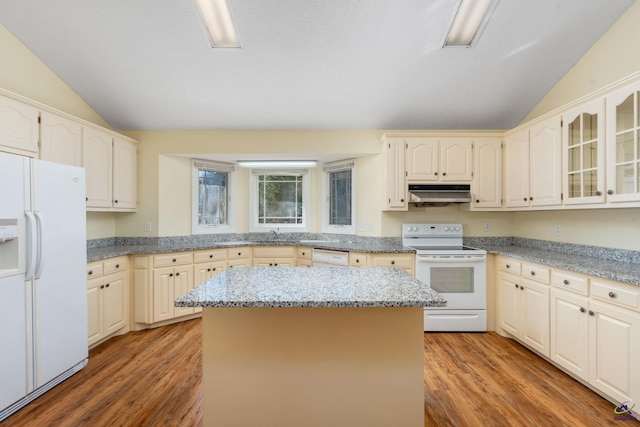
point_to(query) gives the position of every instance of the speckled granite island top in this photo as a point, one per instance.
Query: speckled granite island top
(312, 287)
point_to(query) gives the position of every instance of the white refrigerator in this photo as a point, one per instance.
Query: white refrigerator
(43, 295)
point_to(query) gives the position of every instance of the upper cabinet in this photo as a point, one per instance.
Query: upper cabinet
(583, 154)
(125, 172)
(19, 127)
(395, 196)
(60, 140)
(532, 165)
(486, 187)
(623, 144)
(439, 159)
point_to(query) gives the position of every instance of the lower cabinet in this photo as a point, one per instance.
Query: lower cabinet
(107, 298)
(405, 261)
(168, 284)
(274, 256)
(304, 257)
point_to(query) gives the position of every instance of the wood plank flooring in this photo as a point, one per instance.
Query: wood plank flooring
(152, 378)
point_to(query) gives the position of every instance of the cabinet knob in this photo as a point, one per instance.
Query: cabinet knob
(239, 253)
(208, 269)
(270, 264)
(215, 268)
(477, 201)
(101, 286)
(357, 260)
(117, 265)
(444, 173)
(525, 199)
(86, 199)
(522, 288)
(393, 263)
(90, 272)
(609, 192)
(170, 274)
(612, 295)
(115, 201)
(565, 281)
(435, 173)
(598, 193)
(304, 253)
(517, 286)
(508, 266)
(530, 198)
(177, 274)
(533, 273)
(591, 313)
(174, 260)
(107, 285)
(276, 264)
(401, 200)
(582, 310)
(211, 256)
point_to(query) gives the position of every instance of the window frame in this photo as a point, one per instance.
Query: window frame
(327, 169)
(229, 169)
(254, 225)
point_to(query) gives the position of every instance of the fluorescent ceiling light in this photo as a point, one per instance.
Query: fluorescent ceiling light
(216, 16)
(277, 163)
(468, 23)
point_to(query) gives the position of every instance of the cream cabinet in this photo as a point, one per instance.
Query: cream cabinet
(239, 257)
(304, 256)
(583, 136)
(623, 144)
(111, 171)
(394, 176)
(486, 187)
(358, 259)
(107, 298)
(524, 303)
(206, 265)
(439, 159)
(532, 165)
(60, 139)
(405, 261)
(19, 127)
(274, 256)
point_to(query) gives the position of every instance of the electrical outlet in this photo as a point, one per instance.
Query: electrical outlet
(487, 226)
(369, 226)
(557, 230)
(361, 226)
(147, 227)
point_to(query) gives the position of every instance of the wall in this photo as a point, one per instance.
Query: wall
(613, 57)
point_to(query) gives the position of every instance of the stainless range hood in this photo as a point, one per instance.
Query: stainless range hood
(439, 194)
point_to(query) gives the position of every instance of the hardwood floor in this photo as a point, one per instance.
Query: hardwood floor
(152, 378)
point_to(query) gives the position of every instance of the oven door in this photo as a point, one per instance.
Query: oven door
(460, 280)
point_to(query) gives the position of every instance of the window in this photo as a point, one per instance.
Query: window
(339, 196)
(280, 199)
(211, 207)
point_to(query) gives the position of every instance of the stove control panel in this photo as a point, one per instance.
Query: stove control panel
(432, 230)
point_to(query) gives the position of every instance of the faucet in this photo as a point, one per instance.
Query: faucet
(275, 233)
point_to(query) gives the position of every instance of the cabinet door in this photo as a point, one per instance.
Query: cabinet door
(516, 169)
(487, 178)
(545, 167)
(623, 140)
(163, 294)
(583, 179)
(421, 159)
(396, 185)
(569, 346)
(94, 310)
(535, 312)
(19, 128)
(96, 159)
(183, 283)
(125, 174)
(283, 262)
(615, 350)
(510, 304)
(114, 303)
(456, 160)
(60, 140)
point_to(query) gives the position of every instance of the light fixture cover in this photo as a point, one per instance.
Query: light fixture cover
(277, 163)
(217, 19)
(468, 22)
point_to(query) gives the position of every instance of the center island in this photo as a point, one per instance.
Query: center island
(319, 346)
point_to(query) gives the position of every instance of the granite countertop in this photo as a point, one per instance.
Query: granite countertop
(312, 287)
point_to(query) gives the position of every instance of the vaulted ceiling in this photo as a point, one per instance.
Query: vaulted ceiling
(308, 64)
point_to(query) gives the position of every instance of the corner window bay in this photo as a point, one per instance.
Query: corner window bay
(280, 198)
(211, 197)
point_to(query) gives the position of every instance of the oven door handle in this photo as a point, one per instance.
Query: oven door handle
(437, 260)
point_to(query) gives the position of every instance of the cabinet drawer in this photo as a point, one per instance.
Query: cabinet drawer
(570, 282)
(392, 260)
(510, 265)
(116, 264)
(210, 255)
(94, 270)
(627, 297)
(236, 253)
(536, 272)
(304, 253)
(358, 259)
(168, 260)
(273, 252)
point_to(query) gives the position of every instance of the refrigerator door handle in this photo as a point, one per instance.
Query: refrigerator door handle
(32, 245)
(39, 261)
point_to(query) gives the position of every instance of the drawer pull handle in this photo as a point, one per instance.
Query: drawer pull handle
(174, 260)
(612, 295)
(211, 256)
(533, 273)
(582, 310)
(508, 266)
(565, 281)
(117, 265)
(239, 253)
(90, 272)
(393, 263)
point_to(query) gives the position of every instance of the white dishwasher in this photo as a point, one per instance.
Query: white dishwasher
(327, 258)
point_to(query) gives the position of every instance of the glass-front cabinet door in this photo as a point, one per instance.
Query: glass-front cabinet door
(623, 124)
(583, 148)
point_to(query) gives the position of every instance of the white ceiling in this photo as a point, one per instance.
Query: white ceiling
(308, 64)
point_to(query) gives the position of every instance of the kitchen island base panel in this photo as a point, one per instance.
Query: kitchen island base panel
(313, 366)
